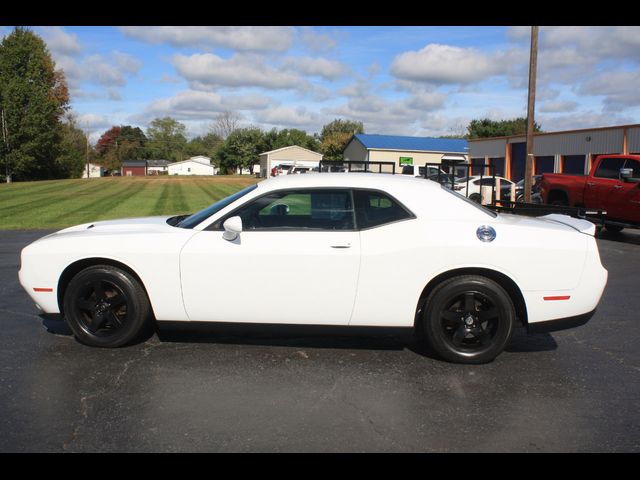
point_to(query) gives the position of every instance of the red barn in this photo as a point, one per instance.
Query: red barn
(134, 168)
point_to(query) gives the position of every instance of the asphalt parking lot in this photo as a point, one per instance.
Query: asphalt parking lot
(217, 391)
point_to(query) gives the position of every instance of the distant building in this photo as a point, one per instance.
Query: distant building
(288, 157)
(198, 165)
(404, 150)
(134, 168)
(93, 171)
(158, 167)
(568, 151)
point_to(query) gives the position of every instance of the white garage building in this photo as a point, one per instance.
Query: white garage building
(198, 165)
(292, 155)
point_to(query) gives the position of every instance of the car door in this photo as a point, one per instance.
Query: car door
(624, 197)
(386, 294)
(295, 261)
(598, 190)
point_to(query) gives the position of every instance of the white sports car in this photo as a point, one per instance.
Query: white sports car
(351, 249)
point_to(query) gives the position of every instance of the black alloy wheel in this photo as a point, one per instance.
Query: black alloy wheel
(469, 319)
(103, 308)
(106, 307)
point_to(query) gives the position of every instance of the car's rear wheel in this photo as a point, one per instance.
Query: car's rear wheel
(106, 307)
(475, 197)
(469, 319)
(614, 228)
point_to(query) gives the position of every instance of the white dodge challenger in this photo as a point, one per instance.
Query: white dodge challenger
(349, 249)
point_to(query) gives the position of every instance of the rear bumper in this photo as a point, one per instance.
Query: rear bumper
(560, 323)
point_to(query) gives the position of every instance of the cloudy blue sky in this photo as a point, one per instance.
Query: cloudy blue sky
(397, 80)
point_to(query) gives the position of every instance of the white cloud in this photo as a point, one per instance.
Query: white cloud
(190, 105)
(317, 42)
(289, 116)
(258, 39)
(205, 71)
(586, 119)
(60, 42)
(444, 64)
(560, 106)
(620, 89)
(316, 67)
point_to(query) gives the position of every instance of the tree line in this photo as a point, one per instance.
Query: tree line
(230, 146)
(40, 137)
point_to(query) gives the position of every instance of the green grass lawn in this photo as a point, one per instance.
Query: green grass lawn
(62, 203)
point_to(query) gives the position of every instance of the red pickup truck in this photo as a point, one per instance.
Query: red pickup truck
(612, 185)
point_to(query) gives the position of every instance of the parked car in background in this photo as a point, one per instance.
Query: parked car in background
(298, 170)
(389, 251)
(535, 190)
(470, 186)
(612, 185)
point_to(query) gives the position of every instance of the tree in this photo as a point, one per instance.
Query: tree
(226, 123)
(207, 145)
(336, 135)
(241, 149)
(485, 127)
(72, 158)
(275, 139)
(121, 143)
(167, 139)
(33, 98)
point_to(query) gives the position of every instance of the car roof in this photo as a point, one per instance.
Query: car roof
(339, 179)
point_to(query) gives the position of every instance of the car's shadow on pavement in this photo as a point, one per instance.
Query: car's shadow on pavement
(302, 336)
(632, 237)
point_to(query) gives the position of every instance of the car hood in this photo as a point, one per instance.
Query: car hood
(125, 225)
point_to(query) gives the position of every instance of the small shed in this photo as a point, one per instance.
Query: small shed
(134, 168)
(93, 170)
(290, 156)
(198, 165)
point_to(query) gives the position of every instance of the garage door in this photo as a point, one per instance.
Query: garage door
(544, 165)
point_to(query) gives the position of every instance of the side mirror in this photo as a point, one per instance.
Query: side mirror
(626, 175)
(232, 228)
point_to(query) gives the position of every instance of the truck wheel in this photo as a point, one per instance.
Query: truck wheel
(468, 319)
(106, 307)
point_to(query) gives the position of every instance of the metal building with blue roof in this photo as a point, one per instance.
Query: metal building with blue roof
(405, 150)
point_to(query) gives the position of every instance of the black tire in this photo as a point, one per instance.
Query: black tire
(468, 319)
(613, 228)
(106, 307)
(475, 197)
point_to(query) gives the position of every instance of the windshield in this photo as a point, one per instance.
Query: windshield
(470, 202)
(193, 220)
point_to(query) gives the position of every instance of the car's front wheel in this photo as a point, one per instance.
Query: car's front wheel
(106, 307)
(469, 319)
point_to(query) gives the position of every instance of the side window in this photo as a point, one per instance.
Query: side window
(635, 165)
(299, 210)
(375, 208)
(610, 168)
(487, 181)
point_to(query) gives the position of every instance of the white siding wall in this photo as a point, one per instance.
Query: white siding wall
(190, 168)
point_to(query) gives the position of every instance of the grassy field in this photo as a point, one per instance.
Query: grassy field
(62, 203)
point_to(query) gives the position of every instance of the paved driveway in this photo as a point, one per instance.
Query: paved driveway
(271, 390)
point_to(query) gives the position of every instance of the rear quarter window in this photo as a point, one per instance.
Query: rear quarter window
(375, 208)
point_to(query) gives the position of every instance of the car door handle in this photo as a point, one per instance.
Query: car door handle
(590, 184)
(341, 245)
(617, 187)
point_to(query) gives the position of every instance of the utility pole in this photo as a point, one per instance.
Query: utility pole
(528, 166)
(86, 135)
